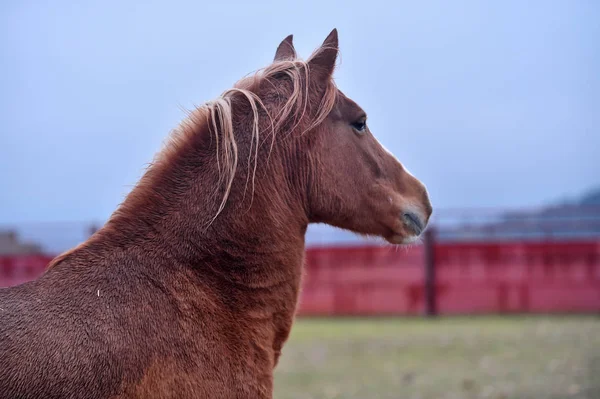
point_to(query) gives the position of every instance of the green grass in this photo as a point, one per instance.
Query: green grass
(480, 357)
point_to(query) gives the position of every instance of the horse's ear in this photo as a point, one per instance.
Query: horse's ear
(322, 62)
(285, 50)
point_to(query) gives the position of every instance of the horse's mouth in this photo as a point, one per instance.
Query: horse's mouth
(413, 226)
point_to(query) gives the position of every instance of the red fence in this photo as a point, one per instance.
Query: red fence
(499, 277)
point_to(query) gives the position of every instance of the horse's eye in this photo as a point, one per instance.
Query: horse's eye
(360, 126)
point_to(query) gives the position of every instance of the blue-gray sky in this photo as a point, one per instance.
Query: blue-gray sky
(488, 103)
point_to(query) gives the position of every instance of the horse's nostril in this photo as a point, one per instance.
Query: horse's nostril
(413, 221)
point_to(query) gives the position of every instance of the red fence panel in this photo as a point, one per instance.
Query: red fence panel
(362, 280)
(16, 270)
(518, 277)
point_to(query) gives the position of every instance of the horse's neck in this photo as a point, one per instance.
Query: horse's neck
(257, 240)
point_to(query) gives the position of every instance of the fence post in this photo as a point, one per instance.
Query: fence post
(430, 291)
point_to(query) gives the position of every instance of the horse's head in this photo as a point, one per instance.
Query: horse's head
(353, 182)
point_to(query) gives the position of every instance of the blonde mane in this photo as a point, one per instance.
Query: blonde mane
(218, 115)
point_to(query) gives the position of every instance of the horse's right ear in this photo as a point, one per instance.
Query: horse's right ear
(285, 50)
(322, 62)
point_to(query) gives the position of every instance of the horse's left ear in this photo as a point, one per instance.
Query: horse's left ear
(286, 51)
(322, 62)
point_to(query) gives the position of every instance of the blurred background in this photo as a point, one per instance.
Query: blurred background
(494, 106)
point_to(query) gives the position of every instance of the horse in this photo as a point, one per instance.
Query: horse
(190, 288)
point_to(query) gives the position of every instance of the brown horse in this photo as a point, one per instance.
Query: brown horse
(190, 288)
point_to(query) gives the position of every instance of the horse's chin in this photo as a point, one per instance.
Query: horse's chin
(398, 239)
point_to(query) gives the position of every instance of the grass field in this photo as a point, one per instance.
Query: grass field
(480, 357)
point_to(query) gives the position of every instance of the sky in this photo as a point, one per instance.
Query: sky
(490, 104)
